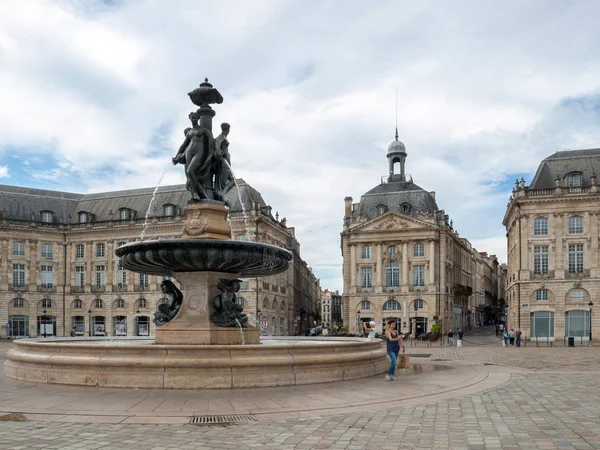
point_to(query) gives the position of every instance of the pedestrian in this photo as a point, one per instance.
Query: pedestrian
(505, 337)
(369, 329)
(518, 337)
(460, 338)
(501, 328)
(73, 331)
(394, 344)
(497, 330)
(511, 337)
(450, 338)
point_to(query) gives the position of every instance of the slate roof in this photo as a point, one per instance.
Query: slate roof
(560, 164)
(19, 203)
(394, 194)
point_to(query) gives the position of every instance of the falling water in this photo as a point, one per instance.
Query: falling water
(241, 331)
(147, 217)
(239, 193)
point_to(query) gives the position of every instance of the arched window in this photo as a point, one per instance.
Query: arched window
(392, 274)
(574, 180)
(83, 217)
(540, 226)
(77, 304)
(381, 209)
(577, 295)
(405, 208)
(120, 303)
(365, 304)
(99, 303)
(142, 303)
(391, 305)
(18, 303)
(541, 295)
(419, 303)
(46, 303)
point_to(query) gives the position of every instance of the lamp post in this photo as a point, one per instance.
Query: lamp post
(590, 304)
(90, 323)
(358, 322)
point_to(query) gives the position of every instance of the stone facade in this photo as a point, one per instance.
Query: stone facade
(58, 270)
(403, 260)
(553, 238)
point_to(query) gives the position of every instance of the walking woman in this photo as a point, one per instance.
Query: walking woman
(394, 343)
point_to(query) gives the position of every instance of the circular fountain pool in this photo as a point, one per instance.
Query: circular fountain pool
(125, 362)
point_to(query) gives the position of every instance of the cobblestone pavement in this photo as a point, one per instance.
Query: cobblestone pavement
(550, 401)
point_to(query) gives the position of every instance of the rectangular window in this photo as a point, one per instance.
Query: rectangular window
(18, 248)
(577, 295)
(419, 250)
(144, 280)
(575, 258)
(100, 250)
(419, 276)
(46, 277)
(79, 251)
(540, 226)
(79, 276)
(366, 277)
(577, 323)
(541, 295)
(121, 276)
(240, 237)
(100, 280)
(542, 325)
(46, 250)
(575, 225)
(18, 275)
(540, 259)
(366, 252)
(392, 274)
(18, 303)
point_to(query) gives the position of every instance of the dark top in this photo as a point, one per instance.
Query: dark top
(460, 335)
(450, 334)
(393, 346)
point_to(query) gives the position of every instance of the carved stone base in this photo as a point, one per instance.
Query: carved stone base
(206, 220)
(192, 324)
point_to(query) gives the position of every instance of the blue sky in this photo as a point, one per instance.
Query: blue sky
(94, 98)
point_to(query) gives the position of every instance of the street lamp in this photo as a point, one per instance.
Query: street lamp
(358, 332)
(590, 304)
(90, 323)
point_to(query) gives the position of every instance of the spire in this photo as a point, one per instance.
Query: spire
(396, 132)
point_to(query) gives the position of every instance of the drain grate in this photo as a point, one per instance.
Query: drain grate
(210, 420)
(420, 355)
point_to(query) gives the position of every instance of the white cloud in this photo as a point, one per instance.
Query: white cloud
(4, 172)
(482, 93)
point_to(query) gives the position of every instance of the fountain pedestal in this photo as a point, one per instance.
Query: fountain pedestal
(192, 324)
(206, 220)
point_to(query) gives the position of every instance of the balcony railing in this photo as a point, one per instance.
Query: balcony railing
(77, 289)
(98, 288)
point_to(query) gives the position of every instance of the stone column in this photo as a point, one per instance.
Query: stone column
(353, 267)
(404, 281)
(558, 232)
(379, 270)
(431, 262)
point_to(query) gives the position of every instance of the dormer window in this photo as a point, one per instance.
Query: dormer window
(381, 209)
(47, 216)
(124, 214)
(574, 180)
(169, 210)
(83, 217)
(405, 208)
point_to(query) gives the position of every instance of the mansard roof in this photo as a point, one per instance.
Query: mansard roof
(563, 163)
(393, 196)
(19, 203)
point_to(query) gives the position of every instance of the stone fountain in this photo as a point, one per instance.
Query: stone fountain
(201, 326)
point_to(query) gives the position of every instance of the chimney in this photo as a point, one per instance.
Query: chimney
(348, 206)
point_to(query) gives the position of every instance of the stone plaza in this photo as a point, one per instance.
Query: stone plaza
(476, 397)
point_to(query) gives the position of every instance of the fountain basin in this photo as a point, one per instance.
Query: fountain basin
(293, 361)
(166, 256)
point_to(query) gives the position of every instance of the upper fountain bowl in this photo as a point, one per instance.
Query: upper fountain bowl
(165, 256)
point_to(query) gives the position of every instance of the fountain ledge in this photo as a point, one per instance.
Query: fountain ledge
(195, 366)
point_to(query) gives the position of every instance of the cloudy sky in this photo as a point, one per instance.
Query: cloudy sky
(93, 98)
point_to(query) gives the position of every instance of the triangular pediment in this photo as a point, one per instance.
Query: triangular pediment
(393, 222)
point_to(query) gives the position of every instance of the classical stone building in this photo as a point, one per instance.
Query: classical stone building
(331, 308)
(402, 258)
(58, 271)
(553, 259)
